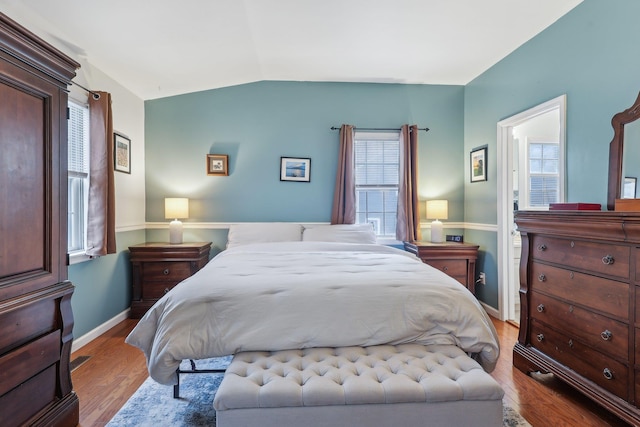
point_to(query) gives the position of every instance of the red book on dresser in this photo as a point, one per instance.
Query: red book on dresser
(574, 206)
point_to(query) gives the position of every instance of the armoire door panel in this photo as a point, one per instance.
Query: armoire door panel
(28, 167)
(23, 146)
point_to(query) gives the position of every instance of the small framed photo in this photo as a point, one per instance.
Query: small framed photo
(479, 164)
(295, 169)
(629, 190)
(218, 164)
(121, 153)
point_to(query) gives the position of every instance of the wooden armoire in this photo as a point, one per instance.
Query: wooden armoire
(36, 320)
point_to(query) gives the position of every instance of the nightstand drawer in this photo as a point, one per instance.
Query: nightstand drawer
(156, 290)
(169, 271)
(452, 267)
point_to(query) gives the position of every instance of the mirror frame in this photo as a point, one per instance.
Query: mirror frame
(616, 150)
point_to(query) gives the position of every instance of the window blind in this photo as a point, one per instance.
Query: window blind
(377, 168)
(78, 149)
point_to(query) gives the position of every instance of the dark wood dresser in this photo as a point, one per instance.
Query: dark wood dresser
(458, 260)
(36, 320)
(580, 303)
(158, 267)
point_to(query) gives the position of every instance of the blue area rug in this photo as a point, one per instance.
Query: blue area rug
(153, 405)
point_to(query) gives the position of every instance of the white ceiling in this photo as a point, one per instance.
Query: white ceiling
(159, 48)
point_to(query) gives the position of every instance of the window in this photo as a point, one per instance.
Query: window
(543, 173)
(377, 168)
(542, 180)
(78, 181)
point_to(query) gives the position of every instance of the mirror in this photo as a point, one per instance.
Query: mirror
(624, 171)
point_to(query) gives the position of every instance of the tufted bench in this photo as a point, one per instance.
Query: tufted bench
(387, 385)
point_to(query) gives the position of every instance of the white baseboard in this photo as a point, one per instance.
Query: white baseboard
(490, 310)
(80, 342)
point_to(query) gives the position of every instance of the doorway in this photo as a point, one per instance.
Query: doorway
(519, 136)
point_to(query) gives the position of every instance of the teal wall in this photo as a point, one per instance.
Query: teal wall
(102, 285)
(257, 123)
(590, 54)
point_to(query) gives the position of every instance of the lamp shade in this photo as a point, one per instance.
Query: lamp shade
(176, 207)
(437, 209)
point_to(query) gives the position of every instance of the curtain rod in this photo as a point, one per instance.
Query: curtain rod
(96, 95)
(370, 129)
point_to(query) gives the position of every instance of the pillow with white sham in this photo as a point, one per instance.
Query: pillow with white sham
(263, 232)
(344, 233)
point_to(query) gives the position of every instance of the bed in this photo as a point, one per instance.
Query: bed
(282, 286)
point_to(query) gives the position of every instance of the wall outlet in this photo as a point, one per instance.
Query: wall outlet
(483, 279)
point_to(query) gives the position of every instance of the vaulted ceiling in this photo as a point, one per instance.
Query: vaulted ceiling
(159, 48)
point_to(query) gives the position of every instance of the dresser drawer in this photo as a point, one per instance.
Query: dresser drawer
(599, 368)
(599, 332)
(612, 260)
(38, 391)
(452, 267)
(26, 322)
(174, 271)
(608, 296)
(17, 366)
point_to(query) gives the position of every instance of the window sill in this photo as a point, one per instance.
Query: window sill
(78, 257)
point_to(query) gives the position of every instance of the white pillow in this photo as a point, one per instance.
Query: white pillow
(345, 233)
(262, 232)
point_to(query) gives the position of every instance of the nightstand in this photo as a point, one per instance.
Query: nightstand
(158, 267)
(457, 260)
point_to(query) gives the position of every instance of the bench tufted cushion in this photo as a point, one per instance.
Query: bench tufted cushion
(385, 374)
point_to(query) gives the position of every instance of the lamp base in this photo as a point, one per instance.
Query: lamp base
(436, 232)
(175, 232)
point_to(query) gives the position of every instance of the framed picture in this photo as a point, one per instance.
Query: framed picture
(478, 164)
(629, 187)
(121, 153)
(295, 169)
(217, 164)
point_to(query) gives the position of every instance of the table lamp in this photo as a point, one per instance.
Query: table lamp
(176, 207)
(437, 210)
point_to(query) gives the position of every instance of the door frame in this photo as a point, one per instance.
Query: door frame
(504, 150)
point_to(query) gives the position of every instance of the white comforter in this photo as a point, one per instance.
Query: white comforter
(273, 296)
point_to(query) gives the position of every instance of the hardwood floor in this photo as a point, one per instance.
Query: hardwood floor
(115, 370)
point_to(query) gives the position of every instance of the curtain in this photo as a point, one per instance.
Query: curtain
(344, 196)
(101, 218)
(408, 216)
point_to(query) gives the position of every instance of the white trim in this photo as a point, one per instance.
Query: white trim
(490, 310)
(216, 225)
(480, 227)
(78, 343)
(226, 225)
(134, 227)
(504, 164)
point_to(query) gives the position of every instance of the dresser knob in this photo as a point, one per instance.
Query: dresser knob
(607, 374)
(165, 271)
(607, 260)
(540, 337)
(445, 268)
(542, 277)
(571, 343)
(166, 290)
(541, 308)
(542, 247)
(606, 335)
